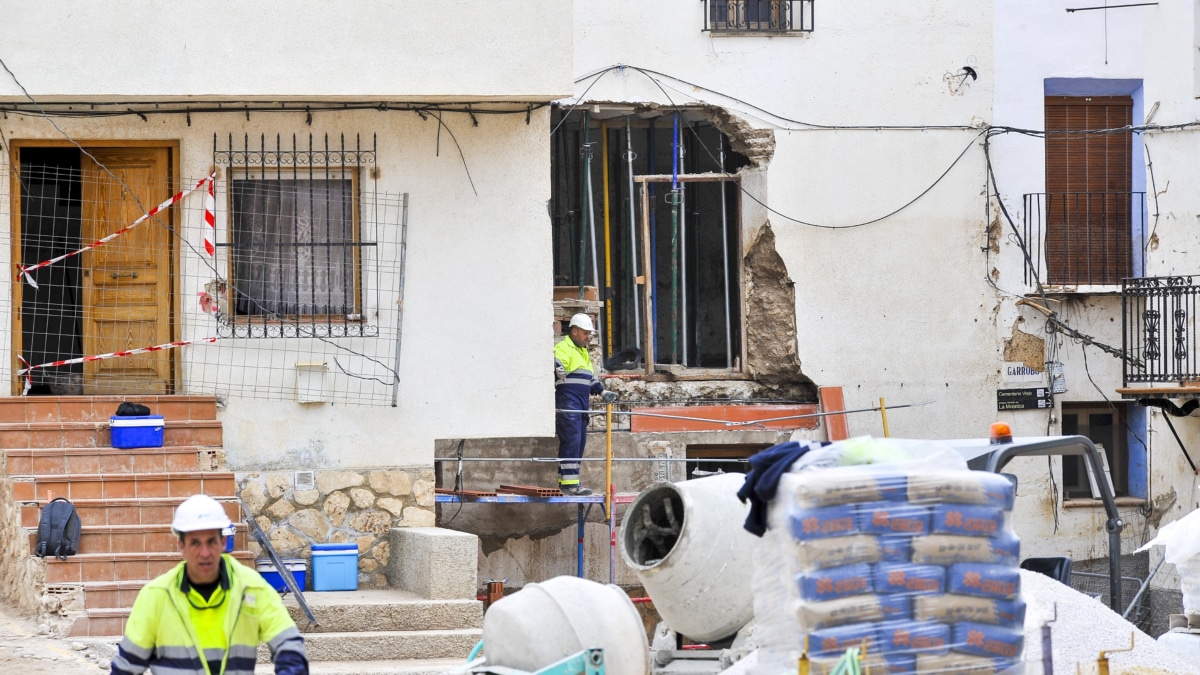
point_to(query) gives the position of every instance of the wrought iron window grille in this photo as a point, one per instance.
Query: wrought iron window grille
(298, 253)
(758, 16)
(1159, 329)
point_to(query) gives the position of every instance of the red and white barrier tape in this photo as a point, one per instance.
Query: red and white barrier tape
(209, 219)
(28, 369)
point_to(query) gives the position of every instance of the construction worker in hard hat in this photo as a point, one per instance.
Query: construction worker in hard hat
(575, 380)
(208, 614)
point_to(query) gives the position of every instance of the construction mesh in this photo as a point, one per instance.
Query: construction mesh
(298, 300)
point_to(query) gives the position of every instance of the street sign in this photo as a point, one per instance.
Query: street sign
(1026, 398)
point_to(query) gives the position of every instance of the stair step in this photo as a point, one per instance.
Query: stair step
(133, 539)
(410, 667)
(386, 645)
(124, 511)
(102, 622)
(384, 610)
(123, 486)
(97, 408)
(111, 594)
(87, 567)
(47, 461)
(95, 434)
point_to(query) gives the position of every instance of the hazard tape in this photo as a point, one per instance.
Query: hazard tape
(28, 369)
(209, 219)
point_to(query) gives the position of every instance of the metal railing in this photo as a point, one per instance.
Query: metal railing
(758, 16)
(1084, 238)
(1159, 329)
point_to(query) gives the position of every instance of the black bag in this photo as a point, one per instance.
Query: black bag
(128, 409)
(58, 530)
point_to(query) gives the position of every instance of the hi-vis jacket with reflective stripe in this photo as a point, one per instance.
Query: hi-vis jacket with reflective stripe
(173, 630)
(574, 368)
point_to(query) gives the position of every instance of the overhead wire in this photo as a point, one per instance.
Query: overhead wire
(201, 257)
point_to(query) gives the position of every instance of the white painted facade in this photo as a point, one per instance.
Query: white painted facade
(470, 315)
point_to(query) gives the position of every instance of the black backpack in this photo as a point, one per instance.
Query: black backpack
(58, 530)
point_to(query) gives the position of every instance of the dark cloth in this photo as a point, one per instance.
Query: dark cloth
(290, 663)
(766, 468)
(571, 429)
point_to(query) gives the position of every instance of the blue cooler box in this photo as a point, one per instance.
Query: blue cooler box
(137, 431)
(335, 567)
(266, 568)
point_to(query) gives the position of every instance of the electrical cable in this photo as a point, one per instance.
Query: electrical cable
(599, 75)
(713, 157)
(212, 267)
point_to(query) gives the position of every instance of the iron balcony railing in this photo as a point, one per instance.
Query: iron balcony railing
(1084, 238)
(758, 16)
(1159, 329)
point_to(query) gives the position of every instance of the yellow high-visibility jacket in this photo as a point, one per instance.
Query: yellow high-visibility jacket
(173, 630)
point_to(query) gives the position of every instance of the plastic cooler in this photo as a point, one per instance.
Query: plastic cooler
(335, 567)
(137, 431)
(266, 568)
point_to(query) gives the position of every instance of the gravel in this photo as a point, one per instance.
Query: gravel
(1084, 627)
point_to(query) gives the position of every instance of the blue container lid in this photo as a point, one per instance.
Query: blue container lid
(335, 547)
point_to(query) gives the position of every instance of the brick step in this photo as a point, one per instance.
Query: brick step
(101, 622)
(96, 512)
(409, 667)
(124, 485)
(95, 434)
(87, 567)
(386, 645)
(133, 539)
(100, 408)
(383, 610)
(46, 461)
(111, 595)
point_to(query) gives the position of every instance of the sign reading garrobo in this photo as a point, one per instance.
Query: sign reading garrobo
(1015, 372)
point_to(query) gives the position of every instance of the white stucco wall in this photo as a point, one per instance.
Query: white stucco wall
(285, 50)
(477, 310)
(897, 309)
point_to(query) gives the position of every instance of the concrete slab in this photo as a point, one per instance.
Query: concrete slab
(411, 667)
(384, 610)
(434, 563)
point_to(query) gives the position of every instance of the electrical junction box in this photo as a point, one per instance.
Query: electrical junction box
(310, 382)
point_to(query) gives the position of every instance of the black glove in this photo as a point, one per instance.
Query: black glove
(609, 396)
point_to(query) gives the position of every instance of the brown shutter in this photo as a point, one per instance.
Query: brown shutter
(1088, 190)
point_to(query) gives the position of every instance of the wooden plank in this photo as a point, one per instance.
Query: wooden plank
(714, 418)
(1165, 392)
(833, 399)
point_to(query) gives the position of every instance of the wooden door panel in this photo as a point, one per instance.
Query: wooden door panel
(127, 282)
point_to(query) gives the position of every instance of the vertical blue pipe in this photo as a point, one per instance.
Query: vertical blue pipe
(653, 240)
(675, 152)
(579, 551)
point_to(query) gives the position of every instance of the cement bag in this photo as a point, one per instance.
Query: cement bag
(544, 623)
(1181, 540)
(895, 547)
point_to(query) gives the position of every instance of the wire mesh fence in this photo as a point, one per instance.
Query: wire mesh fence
(298, 299)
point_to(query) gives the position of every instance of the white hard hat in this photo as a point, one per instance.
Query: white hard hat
(583, 321)
(200, 512)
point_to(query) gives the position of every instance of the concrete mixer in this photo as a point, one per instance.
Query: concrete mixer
(686, 544)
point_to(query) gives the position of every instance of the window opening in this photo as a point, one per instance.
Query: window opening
(1089, 220)
(693, 232)
(295, 247)
(1106, 426)
(752, 16)
(734, 454)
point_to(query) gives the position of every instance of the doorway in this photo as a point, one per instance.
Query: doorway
(115, 297)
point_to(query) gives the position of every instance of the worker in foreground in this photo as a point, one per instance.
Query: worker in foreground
(208, 614)
(575, 380)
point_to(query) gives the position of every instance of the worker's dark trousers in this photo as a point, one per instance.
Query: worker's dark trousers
(571, 429)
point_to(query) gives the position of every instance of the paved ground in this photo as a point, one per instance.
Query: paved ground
(25, 652)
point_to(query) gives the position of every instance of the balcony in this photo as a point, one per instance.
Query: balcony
(742, 17)
(1084, 239)
(1159, 334)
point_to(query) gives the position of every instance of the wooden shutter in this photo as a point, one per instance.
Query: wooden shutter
(1089, 233)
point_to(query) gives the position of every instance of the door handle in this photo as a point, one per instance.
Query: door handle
(118, 275)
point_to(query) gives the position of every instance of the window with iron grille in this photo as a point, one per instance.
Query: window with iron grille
(295, 261)
(758, 16)
(1106, 426)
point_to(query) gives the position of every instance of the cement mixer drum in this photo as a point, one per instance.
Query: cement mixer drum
(686, 543)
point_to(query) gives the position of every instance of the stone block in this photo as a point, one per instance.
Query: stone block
(329, 481)
(253, 495)
(335, 507)
(311, 523)
(433, 562)
(306, 497)
(415, 516)
(395, 483)
(281, 509)
(392, 506)
(362, 498)
(277, 484)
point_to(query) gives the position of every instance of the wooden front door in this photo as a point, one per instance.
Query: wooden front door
(126, 284)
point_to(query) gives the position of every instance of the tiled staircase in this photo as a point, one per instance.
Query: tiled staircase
(125, 498)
